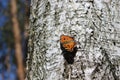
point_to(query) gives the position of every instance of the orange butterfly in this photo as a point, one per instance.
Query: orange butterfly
(67, 42)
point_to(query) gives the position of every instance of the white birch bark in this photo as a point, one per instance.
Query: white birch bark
(95, 24)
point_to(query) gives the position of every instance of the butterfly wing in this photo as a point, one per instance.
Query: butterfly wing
(67, 42)
(69, 49)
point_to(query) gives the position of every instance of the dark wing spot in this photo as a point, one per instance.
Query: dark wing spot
(68, 46)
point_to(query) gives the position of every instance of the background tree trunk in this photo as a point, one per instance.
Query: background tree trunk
(18, 47)
(95, 24)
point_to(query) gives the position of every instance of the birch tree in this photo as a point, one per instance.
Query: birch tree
(95, 24)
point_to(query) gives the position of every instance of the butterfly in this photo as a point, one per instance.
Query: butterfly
(68, 47)
(67, 42)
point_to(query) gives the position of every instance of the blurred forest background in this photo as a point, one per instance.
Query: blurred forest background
(13, 38)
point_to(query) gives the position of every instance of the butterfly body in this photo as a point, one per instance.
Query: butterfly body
(68, 47)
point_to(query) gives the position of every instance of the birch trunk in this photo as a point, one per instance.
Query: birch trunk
(95, 24)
